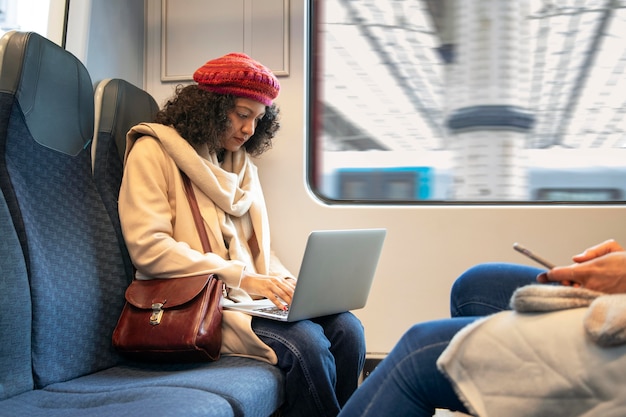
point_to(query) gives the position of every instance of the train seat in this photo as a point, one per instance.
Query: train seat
(63, 268)
(119, 105)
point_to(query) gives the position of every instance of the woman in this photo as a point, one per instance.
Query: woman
(210, 130)
(534, 364)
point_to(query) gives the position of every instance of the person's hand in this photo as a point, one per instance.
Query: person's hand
(278, 290)
(600, 268)
(604, 248)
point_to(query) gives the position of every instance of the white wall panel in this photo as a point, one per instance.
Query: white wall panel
(194, 31)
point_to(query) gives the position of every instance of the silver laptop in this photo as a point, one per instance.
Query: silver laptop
(335, 276)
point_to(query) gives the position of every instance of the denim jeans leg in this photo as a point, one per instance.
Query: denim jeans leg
(347, 344)
(312, 355)
(407, 382)
(487, 288)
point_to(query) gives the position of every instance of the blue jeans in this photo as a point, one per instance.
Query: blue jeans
(407, 382)
(321, 358)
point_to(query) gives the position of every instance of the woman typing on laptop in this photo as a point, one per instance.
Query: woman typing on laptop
(210, 130)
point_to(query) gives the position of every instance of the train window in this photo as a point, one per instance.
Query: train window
(46, 17)
(431, 101)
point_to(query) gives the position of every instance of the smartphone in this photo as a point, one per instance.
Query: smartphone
(532, 256)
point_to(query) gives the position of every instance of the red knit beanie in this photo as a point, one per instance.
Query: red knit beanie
(239, 75)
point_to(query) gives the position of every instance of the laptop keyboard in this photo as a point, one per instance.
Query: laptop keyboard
(274, 310)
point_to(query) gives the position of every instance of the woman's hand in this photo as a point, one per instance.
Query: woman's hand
(278, 290)
(600, 268)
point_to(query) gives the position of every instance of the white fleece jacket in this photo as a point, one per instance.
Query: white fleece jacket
(536, 365)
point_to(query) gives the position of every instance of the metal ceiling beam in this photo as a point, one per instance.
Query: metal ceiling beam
(583, 74)
(431, 116)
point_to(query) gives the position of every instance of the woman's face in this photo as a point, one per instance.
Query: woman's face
(243, 118)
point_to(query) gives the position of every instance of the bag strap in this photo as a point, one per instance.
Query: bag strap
(195, 211)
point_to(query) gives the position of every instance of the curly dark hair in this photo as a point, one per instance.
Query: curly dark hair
(201, 117)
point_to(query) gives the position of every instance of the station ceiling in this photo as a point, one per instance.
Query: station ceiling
(384, 74)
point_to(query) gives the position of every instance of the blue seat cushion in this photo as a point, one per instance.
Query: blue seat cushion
(123, 402)
(251, 387)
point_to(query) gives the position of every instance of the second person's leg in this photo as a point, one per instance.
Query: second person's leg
(407, 382)
(487, 288)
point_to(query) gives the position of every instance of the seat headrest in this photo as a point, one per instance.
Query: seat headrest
(53, 89)
(119, 106)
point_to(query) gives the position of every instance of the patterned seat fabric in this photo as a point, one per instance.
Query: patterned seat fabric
(74, 261)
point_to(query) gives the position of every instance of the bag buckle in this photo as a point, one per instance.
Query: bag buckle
(157, 313)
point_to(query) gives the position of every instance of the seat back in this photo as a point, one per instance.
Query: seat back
(74, 263)
(119, 105)
(16, 374)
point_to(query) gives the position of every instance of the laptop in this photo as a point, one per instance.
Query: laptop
(335, 276)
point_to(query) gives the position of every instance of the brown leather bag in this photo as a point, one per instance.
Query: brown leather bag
(173, 319)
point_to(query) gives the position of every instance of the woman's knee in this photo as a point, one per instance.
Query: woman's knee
(486, 288)
(489, 274)
(434, 332)
(345, 328)
(478, 276)
(349, 324)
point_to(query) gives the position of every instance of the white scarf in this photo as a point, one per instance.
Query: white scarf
(231, 200)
